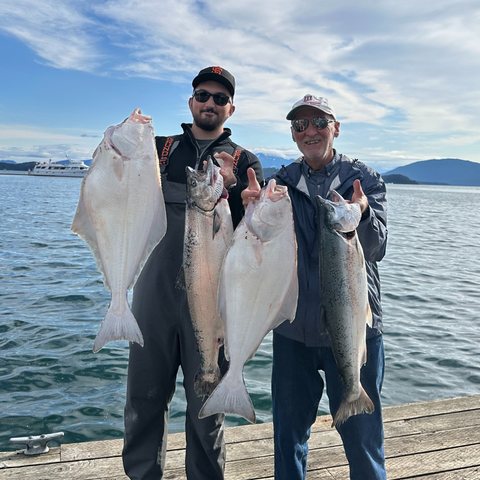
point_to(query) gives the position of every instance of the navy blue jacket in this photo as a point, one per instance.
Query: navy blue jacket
(308, 327)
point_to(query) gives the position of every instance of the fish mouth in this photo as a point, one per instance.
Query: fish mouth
(347, 235)
(273, 191)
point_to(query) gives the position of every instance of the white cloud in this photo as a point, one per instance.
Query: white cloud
(57, 32)
(408, 67)
(26, 143)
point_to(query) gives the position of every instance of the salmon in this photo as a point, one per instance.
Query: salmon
(208, 231)
(121, 216)
(344, 293)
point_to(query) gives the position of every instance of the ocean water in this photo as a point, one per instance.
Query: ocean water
(52, 301)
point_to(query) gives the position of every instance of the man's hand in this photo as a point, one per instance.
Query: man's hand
(226, 168)
(358, 196)
(253, 190)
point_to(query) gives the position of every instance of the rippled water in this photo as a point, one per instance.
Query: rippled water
(52, 301)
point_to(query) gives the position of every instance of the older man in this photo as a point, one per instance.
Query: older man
(302, 348)
(162, 310)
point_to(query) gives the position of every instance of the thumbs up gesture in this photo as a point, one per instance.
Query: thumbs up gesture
(253, 190)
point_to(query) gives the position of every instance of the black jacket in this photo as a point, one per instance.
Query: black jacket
(179, 151)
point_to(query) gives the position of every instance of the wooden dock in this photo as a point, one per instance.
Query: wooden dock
(437, 440)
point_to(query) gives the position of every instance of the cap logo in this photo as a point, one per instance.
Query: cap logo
(217, 70)
(307, 98)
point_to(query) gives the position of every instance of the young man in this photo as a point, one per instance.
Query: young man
(161, 309)
(301, 348)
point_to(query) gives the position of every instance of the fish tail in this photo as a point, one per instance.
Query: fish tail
(362, 404)
(206, 381)
(118, 327)
(229, 397)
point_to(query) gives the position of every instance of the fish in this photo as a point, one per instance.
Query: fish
(258, 291)
(121, 216)
(208, 231)
(344, 294)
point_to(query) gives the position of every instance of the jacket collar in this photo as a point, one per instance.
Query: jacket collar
(293, 174)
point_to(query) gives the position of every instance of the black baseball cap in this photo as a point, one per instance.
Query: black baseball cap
(216, 74)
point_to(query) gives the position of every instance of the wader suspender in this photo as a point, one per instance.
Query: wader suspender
(171, 144)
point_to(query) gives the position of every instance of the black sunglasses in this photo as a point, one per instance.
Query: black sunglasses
(220, 99)
(318, 122)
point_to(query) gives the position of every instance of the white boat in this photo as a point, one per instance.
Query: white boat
(52, 169)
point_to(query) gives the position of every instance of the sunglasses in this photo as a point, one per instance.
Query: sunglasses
(220, 99)
(318, 122)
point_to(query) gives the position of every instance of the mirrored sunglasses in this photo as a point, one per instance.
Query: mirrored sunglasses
(220, 99)
(318, 122)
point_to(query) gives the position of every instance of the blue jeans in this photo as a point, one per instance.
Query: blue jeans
(297, 388)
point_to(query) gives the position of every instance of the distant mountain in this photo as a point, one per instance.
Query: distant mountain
(14, 166)
(272, 161)
(400, 179)
(446, 171)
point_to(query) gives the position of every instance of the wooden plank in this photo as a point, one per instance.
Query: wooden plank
(436, 461)
(109, 448)
(432, 441)
(80, 470)
(461, 474)
(19, 459)
(325, 458)
(429, 440)
(446, 421)
(434, 407)
(245, 433)
(427, 464)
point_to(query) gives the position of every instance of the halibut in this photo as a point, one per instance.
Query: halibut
(258, 291)
(121, 216)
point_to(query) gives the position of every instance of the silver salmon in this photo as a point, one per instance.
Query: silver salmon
(344, 293)
(208, 231)
(121, 216)
(258, 291)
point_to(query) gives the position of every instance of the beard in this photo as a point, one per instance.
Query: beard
(209, 123)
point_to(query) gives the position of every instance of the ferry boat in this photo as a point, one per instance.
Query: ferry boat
(53, 169)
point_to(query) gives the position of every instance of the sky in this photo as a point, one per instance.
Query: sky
(403, 76)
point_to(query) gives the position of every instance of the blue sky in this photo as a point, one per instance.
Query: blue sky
(402, 76)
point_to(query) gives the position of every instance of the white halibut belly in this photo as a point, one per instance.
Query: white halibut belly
(121, 216)
(265, 286)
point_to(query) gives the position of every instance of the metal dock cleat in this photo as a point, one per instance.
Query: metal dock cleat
(38, 444)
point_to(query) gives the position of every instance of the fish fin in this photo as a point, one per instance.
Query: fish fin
(118, 327)
(180, 282)
(362, 404)
(369, 316)
(157, 232)
(323, 321)
(118, 168)
(289, 307)
(206, 381)
(83, 226)
(229, 397)
(217, 223)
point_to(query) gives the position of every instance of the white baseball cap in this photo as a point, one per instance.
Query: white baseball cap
(320, 103)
